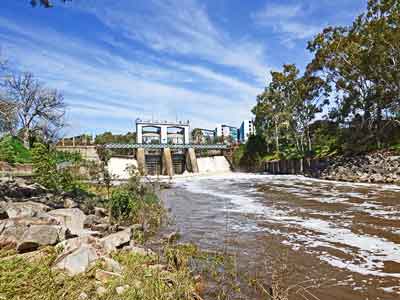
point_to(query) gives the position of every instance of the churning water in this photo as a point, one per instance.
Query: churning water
(344, 234)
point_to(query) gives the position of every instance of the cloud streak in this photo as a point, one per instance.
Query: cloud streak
(182, 28)
(289, 20)
(109, 90)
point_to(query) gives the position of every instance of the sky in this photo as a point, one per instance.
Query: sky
(199, 60)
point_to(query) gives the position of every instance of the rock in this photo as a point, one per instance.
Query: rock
(82, 296)
(111, 265)
(74, 243)
(25, 209)
(106, 276)
(78, 260)
(101, 291)
(116, 240)
(101, 227)
(91, 220)
(100, 212)
(139, 250)
(20, 188)
(376, 178)
(3, 212)
(12, 230)
(69, 203)
(171, 237)
(121, 289)
(71, 218)
(40, 235)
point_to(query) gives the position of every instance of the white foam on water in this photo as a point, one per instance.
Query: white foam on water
(369, 253)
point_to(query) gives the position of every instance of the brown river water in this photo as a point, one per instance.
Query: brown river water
(341, 240)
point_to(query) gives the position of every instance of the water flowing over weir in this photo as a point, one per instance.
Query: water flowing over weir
(213, 164)
(345, 235)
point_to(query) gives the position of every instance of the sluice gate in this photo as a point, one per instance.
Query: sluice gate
(169, 159)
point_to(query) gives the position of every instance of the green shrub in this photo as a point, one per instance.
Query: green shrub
(123, 204)
(7, 151)
(49, 173)
(12, 150)
(74, 157)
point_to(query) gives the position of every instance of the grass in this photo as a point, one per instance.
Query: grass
(22, 278)
(34, 279)
(395, 148)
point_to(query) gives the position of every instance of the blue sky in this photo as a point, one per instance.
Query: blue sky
(116, 60)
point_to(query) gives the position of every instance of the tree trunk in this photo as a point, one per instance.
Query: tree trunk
(26, 137)
(309, 140)
(276, 137)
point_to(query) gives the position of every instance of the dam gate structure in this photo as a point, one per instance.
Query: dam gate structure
(164, 148)
(171, 159)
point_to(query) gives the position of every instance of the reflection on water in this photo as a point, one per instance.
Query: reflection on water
(343, 231)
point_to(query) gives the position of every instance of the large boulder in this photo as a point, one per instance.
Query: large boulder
(116, 240)
(71, 218)
(77, 260)
(20, 188)
(74, 243)
(40, 235)
(24, 209)
(12, 230)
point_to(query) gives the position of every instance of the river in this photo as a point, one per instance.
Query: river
(341, 240)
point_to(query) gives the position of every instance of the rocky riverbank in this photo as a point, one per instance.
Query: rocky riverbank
(377, 167)
(68, 238)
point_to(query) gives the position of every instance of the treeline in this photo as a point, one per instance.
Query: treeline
(348, 98)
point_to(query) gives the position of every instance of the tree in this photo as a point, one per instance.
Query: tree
(44, 3)
(7, 115)
(361, 62)
(197, 135)
(35, 105)
(288, 106)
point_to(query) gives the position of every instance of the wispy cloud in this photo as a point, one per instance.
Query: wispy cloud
(272, 10)
(182, 28)
(106, 90)
(289, 20)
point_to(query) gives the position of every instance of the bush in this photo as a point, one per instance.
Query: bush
(12, 150)
(135, 202)
(123, 204)
(250, 156)
(48, 173)
(6, 151)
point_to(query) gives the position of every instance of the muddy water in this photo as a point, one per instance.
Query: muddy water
(341, 240)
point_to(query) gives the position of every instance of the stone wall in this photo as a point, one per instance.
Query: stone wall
(377, 167)
(13, 170)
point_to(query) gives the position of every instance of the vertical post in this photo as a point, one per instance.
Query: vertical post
(167, 161)
(191, 161)
(186, 135)
(73, 141)
(164, 134)
(139, 133)
(141, 159)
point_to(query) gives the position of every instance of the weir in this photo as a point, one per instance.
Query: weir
(175, 159)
